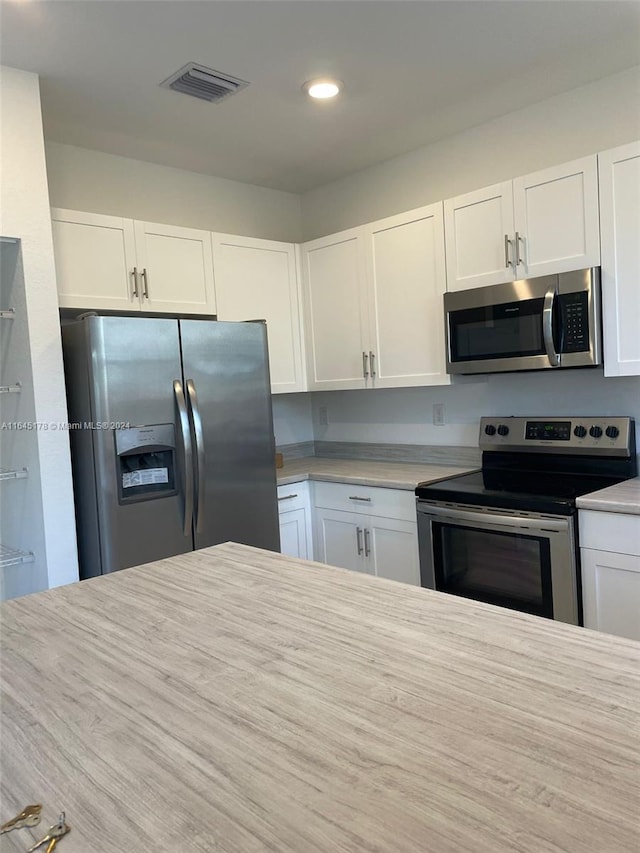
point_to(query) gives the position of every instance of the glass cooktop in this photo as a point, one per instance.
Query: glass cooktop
(531, 491)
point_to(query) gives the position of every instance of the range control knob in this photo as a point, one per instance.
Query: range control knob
(612, 432)
(580, 431)
(503, 429)
(490, 429)
(595, 432)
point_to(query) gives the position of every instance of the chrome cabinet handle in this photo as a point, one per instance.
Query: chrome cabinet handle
(145, 283)
(134, 276)
(359, 539)
(367, 547)
(372, 361)
(518, 239)
(356, 498)
(507, 244)
(196, 422)
(547, 328)
(287, 497)
(188, 455)
(365, 365)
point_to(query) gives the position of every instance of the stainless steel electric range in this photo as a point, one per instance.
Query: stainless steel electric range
(508, 534)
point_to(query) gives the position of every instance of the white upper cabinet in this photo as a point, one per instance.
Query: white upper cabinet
(105, 262)
(539, 224)
(556, 219)
(620, 232)
(334, 271)
(373, 298)
(477, 228)
(258, 279)
(95, 261)
(406, 282)
(176, 269)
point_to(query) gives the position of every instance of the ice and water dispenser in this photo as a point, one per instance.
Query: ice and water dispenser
(146, 462)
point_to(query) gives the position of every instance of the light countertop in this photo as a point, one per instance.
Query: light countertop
(624, 498)
(364, 472)
(238, 701)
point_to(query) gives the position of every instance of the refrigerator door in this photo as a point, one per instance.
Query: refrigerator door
(139, 450)
(226, 378)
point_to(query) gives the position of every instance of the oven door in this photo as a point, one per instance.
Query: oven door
(526, 561)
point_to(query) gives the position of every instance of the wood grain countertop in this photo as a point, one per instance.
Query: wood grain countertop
(368, 472)
(623, 497)
(235, 701)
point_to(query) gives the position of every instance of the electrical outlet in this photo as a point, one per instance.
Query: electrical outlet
(438, 414)
(323, 418)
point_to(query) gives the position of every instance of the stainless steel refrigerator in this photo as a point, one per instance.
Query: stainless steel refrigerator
(171, 438)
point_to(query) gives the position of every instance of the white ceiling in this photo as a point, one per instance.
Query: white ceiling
(414, 71)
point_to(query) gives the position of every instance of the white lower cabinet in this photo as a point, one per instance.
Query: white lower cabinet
(294, 512)
(349, 533)
(610, 558)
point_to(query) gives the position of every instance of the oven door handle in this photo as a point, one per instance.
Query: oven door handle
(547, 328)
(479, 518)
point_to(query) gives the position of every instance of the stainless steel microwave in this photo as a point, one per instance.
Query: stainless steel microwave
(535, 324)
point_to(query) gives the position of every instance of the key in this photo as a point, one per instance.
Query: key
(29, 816)
(56, 832)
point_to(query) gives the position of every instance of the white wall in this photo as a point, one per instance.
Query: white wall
(81, 179)
(292, 422)
(583, 121)
(24, 213)
(405, 415)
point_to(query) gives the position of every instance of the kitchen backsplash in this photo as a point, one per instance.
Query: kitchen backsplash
(404, 416)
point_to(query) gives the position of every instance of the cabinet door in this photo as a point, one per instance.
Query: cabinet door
(620, 232)
(406, 284)
(336, 322)
(611, 592)
(257, 279)
(477, 229)
(556, 218)
(293, 534)
(177, 269)
(340, 540)
(393, 549)
(95, 258)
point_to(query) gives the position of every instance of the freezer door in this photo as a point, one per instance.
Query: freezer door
(226, 377)
(140, 456)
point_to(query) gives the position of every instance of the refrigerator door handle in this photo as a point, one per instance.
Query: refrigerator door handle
(196, 420)
(188, 455)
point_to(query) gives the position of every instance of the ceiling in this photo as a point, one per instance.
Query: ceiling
(414, 71)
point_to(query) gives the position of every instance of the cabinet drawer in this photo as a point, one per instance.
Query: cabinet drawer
(368, 500)
(610, 531)
(293, 496)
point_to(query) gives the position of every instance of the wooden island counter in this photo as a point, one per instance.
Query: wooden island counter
(234, 701)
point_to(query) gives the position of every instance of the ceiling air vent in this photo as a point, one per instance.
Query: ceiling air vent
(203, 83)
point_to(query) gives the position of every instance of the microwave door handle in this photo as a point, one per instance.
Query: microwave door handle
(547, 328)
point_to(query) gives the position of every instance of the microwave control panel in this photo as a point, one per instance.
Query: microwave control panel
(574, 314)
(598, 435)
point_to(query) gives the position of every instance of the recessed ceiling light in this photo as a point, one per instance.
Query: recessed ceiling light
(322, 88)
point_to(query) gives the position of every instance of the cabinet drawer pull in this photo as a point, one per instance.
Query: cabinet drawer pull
(365, 366)
(286, 497)
(367, 546)
(519, 239)
(359, 539)
(372, 361)
(134, 276)
(356, 498)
